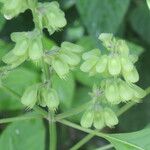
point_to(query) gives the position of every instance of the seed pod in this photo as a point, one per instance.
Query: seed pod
(138, 92)
(89, 64)
(90, 54)
(127, 65)
(98, 122)
(111, 92)
(102, 64)
(122, 48)
(114, 65)
(87, 119)
(70, 58)
(35, 50)
(29, 97)
(110, 117)
(125, 91)
(61, 68)
(131, 76)
(20, 48)
(70, 47)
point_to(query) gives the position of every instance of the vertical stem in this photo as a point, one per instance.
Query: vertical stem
(53, 132)
(52, 124)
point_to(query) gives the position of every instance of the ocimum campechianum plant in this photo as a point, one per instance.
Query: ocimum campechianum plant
(116, 66)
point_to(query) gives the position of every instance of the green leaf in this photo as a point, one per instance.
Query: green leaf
(131, 141)
(65, 89)
(142, 27)
(16, 80)
(81, 97)
(102, 15)
(23, 135)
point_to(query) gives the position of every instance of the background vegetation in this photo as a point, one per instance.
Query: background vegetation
(127, 19)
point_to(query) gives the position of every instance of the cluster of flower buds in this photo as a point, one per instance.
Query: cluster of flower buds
(99, 117)
(50, 16)
(28, 45)
(42, 95)
(11, 8)
(116, 63)
(117, 90)
(64, 58)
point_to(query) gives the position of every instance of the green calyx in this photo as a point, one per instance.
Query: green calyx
(42, 95)
(28, 45)
(11, 8)
(99, 117)
(66, 58)
(50, 16)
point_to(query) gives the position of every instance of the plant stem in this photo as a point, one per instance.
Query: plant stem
(53, 132)
(106, 147)
(72, 112)
(20, 118)
(119, 113)
(82, 142)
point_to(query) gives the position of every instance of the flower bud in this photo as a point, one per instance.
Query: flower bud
(53, 18)
(35, 50)
(19, 36)
(102, 64)
(111, 92)
(110, 117)
(70, 47)
(126, 92)
(98, 122)
(51, 99)
(90, 54)
(29, 97)
(11, 8)
(88, 65)
(87, 119)
(131, 76)
(127, 65)
(70, 58)
(13, 60)
(20, 48)
(61, 68)
(106, 38)
(122, 48)
(114, 65)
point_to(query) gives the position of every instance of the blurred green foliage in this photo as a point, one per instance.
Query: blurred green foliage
(128, 19)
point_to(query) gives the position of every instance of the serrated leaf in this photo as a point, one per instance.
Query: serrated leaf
(23, 135)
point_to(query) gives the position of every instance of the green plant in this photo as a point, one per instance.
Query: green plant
(115, 66)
